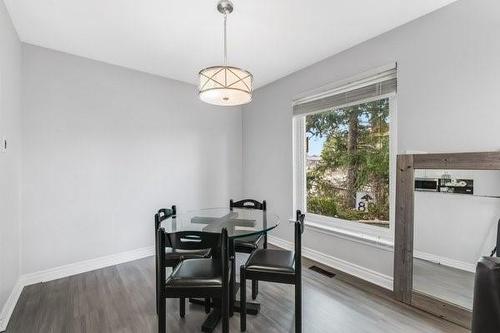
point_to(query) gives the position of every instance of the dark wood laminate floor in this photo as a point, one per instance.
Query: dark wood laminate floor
(121, 299)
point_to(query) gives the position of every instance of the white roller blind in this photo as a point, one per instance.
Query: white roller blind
(358, 91)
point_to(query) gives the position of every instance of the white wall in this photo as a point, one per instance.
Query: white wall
(448, 70)
(10, 162)
(105, 147)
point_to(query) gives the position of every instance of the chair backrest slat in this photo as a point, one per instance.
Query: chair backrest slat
(194, 240)
(248, 203)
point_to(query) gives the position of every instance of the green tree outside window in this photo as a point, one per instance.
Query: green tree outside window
(354, 159)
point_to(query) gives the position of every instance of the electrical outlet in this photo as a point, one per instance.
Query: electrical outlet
(3, 145)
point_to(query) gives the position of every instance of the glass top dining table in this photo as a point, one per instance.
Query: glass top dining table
(239, 222)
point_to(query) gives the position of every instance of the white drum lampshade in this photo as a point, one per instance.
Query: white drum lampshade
(225, 85)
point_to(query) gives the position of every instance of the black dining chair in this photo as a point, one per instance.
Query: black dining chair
(280, 266)
(250, 243)
(173, 255)
(203, 277)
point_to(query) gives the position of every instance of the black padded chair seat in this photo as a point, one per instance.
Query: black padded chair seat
(276, 261)
(247, 244)
(195, 273)
(178, 255)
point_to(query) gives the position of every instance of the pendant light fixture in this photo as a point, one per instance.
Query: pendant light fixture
(225, 85)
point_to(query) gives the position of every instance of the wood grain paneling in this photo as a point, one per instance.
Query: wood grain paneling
(442, 309)
(403, 245)
(458, 161)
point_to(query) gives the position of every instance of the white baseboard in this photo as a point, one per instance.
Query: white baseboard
(64, 271)
(10, 304)
(464, 266)
(369, 275)
(86, 266)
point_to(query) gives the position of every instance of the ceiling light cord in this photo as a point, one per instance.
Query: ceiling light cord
(225, 39)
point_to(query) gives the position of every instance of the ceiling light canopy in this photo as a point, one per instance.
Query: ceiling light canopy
(225, 85)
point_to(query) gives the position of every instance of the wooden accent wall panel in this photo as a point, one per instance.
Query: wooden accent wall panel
(442, 309)
(403, 246)
(458, 161)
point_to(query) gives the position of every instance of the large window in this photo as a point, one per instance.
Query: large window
(344, 152)
(347, 168)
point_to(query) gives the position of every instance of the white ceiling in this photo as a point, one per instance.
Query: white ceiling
(175, 39)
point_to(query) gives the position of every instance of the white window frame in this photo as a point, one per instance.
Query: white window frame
(337, 225)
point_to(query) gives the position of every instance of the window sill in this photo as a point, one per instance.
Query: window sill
(379, 242)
